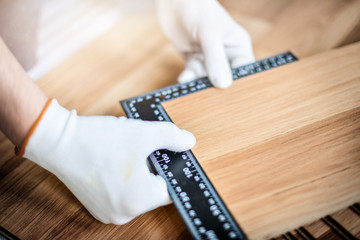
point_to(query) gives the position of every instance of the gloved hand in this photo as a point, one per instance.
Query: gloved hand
(102, 159)
(210, 40)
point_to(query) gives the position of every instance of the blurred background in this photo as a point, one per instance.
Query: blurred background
(42, 34)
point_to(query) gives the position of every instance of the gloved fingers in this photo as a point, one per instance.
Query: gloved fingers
(157, 194)
(239, 47)
(216, 61)
(148, 192)
(243, 59)
(166, 135)
(194, 68)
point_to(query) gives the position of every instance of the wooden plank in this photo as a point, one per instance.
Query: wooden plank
(281, 147)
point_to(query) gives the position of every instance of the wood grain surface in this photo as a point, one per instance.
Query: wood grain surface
(134, 58)
(281, 147)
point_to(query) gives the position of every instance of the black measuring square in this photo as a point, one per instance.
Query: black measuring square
(195, 198)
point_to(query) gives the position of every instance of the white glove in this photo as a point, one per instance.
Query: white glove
(210, 40)
(103, 160)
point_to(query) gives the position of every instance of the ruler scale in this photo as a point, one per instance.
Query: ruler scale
(195, 198)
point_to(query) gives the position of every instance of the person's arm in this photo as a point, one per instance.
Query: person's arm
(208, 38)
(101, 159)
(21, 100)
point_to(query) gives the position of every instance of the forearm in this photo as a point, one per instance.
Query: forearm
(21, 100)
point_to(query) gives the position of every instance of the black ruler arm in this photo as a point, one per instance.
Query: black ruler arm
(195, 198)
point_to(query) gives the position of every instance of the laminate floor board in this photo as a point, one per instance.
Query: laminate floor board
(281, 147)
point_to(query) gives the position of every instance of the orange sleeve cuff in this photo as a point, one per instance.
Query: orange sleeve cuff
(21, 152)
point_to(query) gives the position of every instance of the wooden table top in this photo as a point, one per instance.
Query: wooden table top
(126, 62)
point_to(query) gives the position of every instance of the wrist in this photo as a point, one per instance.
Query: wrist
(27, 129)
(47, 133)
